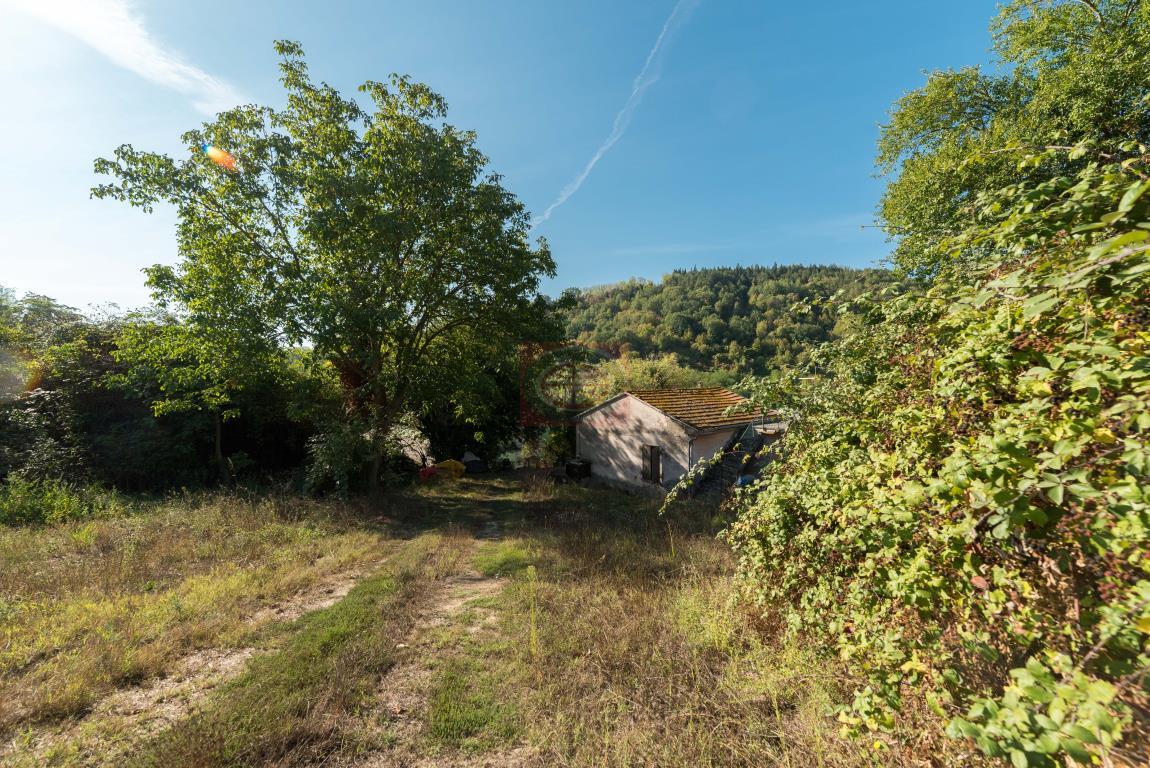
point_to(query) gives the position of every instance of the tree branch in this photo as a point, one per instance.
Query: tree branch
(1093, 9)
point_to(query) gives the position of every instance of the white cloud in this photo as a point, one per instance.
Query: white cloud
(647, 76)
(116, 29)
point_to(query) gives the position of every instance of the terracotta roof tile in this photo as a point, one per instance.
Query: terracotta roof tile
(700, 408)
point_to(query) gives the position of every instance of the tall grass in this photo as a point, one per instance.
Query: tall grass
(24, 502)
(100, 604)
(610, 636)
(633, 650)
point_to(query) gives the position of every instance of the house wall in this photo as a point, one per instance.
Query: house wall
(706, 446)
(612, 439)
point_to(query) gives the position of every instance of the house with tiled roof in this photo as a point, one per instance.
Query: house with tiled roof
(653, 437)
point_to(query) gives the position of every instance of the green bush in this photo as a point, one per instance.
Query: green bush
(24, 502)
(962, 508)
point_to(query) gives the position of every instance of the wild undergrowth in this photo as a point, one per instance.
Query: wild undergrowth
(25, 502)
(961, 510)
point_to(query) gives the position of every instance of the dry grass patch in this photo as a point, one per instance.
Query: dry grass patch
(96, 606)
(629, 649)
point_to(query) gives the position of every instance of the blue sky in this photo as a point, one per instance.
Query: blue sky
(748, 139)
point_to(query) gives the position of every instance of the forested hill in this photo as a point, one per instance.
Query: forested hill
(749, 319)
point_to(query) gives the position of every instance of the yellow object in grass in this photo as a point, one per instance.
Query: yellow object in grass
(451, 467)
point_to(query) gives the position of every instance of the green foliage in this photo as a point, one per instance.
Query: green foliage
(1044, 729)
(482, 414)
(24, 502)
(743, 319)
(961, 509)
(1074, 70)
(121, 401)
(335, 453)
(181, 368)
(41, 439)
(628, 372)
(377, 236)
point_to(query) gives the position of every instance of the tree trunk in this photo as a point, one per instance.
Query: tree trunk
(221, 463)
(384, 419)
(376, 466)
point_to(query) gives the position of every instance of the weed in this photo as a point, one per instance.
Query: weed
(23, 502)
(502, 558)
(533, 640)
(464, 709)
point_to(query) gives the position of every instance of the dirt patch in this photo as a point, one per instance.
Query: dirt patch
(403, 692)
(123, 718)
(327, 594)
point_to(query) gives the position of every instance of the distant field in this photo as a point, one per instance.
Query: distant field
(487, 622)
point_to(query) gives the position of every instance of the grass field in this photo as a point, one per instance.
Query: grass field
(484, 622)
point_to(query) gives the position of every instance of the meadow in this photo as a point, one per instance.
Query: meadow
(500, 621)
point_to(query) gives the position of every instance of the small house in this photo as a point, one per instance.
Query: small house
(653, 437)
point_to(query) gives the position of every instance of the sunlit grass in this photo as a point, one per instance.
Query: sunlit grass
(94, 606)
(604, 634)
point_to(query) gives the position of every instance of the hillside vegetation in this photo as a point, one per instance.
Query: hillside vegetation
(961, 509)
(743, 319)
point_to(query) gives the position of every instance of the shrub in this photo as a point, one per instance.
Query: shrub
(962, 508)
(24, 502)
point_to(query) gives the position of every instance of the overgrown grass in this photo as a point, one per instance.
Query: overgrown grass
(613, 636)
(92, 606)
(642, 656)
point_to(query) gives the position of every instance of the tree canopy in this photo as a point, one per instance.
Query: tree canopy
(741, 319)
(375, 235)
(1070, 72)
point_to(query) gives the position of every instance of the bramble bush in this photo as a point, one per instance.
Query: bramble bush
(961, 510)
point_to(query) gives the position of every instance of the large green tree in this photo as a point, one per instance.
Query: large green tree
(1068, 72)
(375, 234)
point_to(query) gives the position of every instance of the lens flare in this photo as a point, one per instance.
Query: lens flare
(220, 157)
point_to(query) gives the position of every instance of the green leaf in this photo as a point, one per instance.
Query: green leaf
(1036, 305)
(1136, 190)
(1047, 743)
(1076, 750)
(1082, 734)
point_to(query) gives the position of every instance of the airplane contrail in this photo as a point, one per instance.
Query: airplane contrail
(647, 76)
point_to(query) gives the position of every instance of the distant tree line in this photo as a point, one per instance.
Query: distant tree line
(754, 319)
